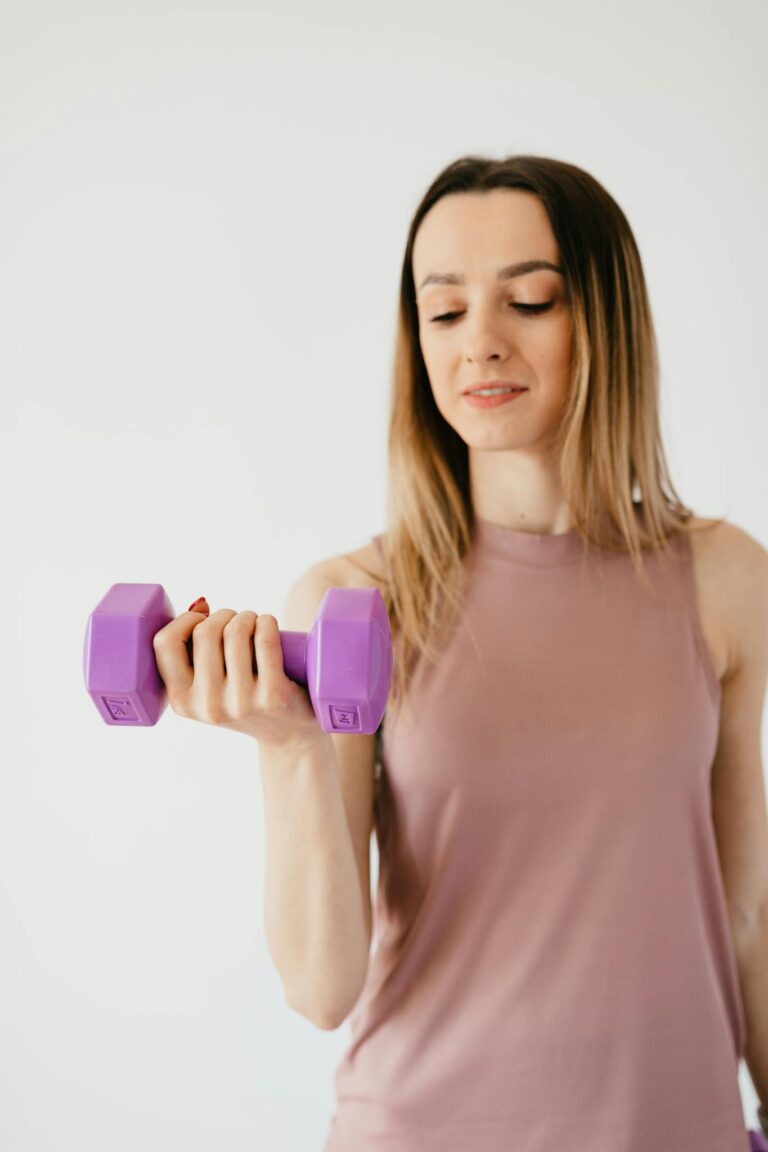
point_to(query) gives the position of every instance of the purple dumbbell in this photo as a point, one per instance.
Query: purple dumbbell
(345, 661)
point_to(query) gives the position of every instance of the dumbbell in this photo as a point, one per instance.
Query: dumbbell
(345, 661)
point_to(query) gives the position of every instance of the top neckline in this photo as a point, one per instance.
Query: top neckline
(544, 549)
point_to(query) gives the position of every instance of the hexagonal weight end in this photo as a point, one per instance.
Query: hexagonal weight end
(119, 666)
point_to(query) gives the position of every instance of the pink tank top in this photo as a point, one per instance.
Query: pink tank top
(552, 965)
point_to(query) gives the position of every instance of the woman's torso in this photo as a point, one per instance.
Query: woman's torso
(619, 962)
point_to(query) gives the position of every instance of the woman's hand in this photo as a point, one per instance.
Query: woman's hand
(221, 686)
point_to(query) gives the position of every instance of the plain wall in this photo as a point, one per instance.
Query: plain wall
(203, 212)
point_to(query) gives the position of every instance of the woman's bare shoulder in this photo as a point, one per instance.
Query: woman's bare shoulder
(363, 567)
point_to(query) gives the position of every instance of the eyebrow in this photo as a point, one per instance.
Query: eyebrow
(506, 273)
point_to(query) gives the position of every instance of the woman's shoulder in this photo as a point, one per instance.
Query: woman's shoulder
(725, 559)
(363, 567)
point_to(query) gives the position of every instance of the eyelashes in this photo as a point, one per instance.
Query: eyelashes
(530, 309)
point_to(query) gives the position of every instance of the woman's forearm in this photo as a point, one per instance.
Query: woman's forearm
(314, 918)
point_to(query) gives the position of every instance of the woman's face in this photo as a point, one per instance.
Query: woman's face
(491, 336)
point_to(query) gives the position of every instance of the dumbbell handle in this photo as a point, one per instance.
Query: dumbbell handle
(294, 646)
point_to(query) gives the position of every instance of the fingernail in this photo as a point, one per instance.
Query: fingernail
(195, 603)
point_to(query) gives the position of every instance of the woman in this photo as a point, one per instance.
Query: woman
(569, 803)
(556, 965)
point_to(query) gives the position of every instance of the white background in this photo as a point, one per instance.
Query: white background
(203, 212)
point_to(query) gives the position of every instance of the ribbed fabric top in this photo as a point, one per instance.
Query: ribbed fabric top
(553, 966)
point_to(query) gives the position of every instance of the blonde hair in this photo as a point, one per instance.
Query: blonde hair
(609, 439)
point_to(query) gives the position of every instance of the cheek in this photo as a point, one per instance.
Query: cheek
(553, 351)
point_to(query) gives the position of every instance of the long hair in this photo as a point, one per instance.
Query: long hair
(609, 439)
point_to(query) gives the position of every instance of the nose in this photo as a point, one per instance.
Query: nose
(486, 339)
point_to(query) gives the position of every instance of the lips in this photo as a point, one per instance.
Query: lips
(495, 384)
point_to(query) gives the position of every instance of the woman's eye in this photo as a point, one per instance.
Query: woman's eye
(531, 309)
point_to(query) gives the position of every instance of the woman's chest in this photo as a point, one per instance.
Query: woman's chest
(712, 591)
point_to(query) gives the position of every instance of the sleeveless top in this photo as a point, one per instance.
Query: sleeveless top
(553, 965)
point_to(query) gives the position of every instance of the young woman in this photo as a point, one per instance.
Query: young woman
(568, 795)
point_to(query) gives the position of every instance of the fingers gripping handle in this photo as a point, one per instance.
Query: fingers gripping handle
(345, 661)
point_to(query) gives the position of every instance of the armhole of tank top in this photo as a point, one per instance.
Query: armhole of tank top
(691, 597)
